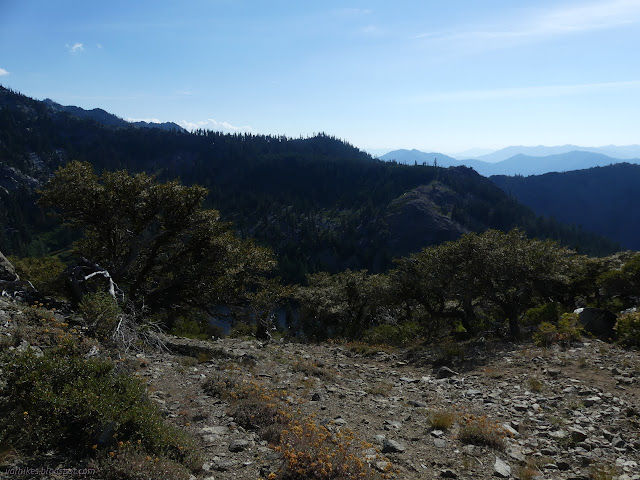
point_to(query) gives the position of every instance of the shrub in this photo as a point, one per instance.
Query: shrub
(44, 273)
(78, 406)
(568, 330)
(197, 328)
(309, 450)
(549, 312)
(628, 329)
(401, 334)
(243, 329)
(101, 312)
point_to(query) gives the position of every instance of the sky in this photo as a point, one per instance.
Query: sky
(443, 76)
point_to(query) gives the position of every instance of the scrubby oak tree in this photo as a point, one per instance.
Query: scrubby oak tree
(157, 242)
(495, 273)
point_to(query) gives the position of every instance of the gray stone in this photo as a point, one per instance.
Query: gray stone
(439, 442)
(391, 446)
(501, 469)
(238, 445)
(392, 424)
(589, 401)
(578, 435)
(448, 473)
(445, 372)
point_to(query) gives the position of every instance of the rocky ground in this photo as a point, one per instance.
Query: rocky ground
(565, 413)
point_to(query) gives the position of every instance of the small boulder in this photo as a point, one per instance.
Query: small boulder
(391, 446)
(501, 469)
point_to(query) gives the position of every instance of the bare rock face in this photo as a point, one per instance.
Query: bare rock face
(7, 270)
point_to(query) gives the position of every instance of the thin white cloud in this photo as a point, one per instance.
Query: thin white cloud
(540, 25)
(98, 46)
(516, 93)
(372, 30)
(75, 48)
(211, 124)
(3, 72)
(351, 12)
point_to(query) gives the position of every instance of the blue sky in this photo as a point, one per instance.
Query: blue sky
(431, 75)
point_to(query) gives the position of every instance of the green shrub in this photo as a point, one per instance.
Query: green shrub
(242, 329)
(402, 334)
(196, 328)
(549, 312)
(44, 273)
(628, 329)
(101, 312)
(568, 330)
(81, 406)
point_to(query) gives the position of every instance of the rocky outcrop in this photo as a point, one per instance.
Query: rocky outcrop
(7, 270)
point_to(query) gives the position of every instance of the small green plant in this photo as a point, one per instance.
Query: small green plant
(628, 329)
(101, 312)
(441, 419)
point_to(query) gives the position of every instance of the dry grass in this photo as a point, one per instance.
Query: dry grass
(479, 430)
(534, 384)
(380, 388)
(312, 369)
(308, 449)
(442, 419)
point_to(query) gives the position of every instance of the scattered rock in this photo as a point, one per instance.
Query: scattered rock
(238, 445)
(445, 372)
(391, 446)
(501, 469)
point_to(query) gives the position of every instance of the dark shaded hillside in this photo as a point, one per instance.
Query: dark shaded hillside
(319, 202)
(603, 200)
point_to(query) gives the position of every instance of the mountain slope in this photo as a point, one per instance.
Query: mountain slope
(603, 200)
(106, 118)
(319, 202)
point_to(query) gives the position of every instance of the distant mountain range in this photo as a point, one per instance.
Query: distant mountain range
(625, 152)
(108, 119)
(533, 163)
(602, 200)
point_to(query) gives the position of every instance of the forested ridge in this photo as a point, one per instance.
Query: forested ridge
(319, 203)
